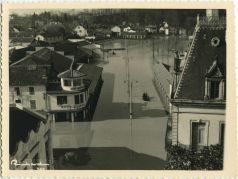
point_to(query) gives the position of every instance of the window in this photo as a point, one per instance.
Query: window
(81, 98)
(214, 93)
(201, 130)
(222, 133)
(18, 101)
(61, 100)
(78, 99)
(33, 104)
(44, 96)
(67, 82)
(17, 90)
(31, 90)
(77, 82)
(199, 135)
(215, 89)
(31, 67)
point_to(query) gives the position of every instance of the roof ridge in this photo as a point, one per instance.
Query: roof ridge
(24, 58)
(191, 48)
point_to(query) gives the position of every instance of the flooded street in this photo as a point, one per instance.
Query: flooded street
(113, 140)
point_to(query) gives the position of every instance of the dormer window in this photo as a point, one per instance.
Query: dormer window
(71, 80)
(214, 91)
(215, 88)
(77, 82)
(67, 82)
(215, 83)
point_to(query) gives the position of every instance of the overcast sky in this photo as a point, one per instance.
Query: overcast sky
(38, 11)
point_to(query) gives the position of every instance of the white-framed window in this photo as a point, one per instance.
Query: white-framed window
(77, 82)
(215, 88)
(78, 99)
(61, 100)
(199, 134)
(17, 90)
(222, 133)
(33, 104)
(67, 82)
(31, 90)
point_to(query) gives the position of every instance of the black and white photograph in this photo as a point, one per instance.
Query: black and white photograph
(117, 89)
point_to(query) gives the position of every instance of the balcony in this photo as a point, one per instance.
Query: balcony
(72, 107)
(212, 21)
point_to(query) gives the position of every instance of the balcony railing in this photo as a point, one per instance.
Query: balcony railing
(72, 107)
(212, 21)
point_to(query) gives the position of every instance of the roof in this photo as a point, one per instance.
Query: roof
(199, 61)
(16, 54)
(21, 123)
(34, 68)
(93, 74)
(71, 74)
(46, 57)
(68, 47)
(24, 75)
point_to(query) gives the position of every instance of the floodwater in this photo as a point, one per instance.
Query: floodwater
(113, 140)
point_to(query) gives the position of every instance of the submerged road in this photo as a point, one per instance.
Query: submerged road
(113, 140)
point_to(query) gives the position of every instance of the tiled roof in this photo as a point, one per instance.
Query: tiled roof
(71, 74)
(34, 68)
(93, 74)
(200, 60)
(69, 48)
(21, 123)
(17, 54)
(46, 57)
(23, 75)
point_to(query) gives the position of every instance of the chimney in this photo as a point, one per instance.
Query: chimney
(212, 14)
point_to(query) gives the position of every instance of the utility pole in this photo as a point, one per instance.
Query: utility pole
(130, 94)
(103, 51)
(153, 50)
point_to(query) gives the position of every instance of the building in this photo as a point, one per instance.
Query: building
(151, 29)
(102, 33)
(134, 35)
(116, 31)
(199, 99)
(80, 31)
(30, 139)
(81, 50)
(126, 29)
(18, 52)
(49, 81)
(52, 33)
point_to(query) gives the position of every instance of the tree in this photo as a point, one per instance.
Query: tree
(208, 158)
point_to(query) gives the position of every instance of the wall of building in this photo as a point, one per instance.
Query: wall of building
(40, 37)
(133, 36)
(26, 97)
(39, 144)
(81, 31)
(52, 101)
(54, 39)
(212, 117)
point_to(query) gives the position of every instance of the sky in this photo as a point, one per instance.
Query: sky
(23, 12)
